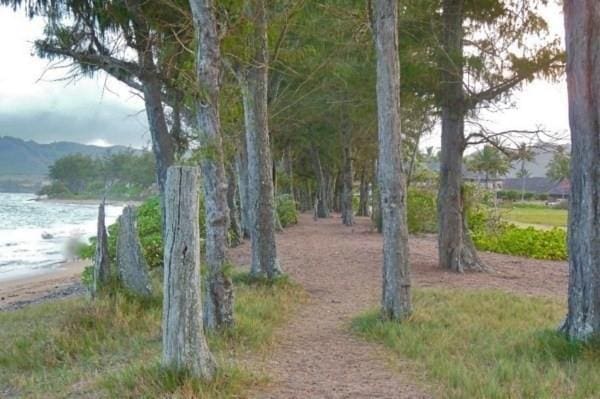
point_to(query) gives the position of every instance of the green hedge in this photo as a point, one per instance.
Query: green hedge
(286, 210)
(421, 211)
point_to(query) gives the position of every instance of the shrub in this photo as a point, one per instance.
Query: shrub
(149, 231)
(530, 242)
(286, 210)
(421, 211)
(55, 189)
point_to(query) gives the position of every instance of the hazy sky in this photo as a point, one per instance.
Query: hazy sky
(103, 111)
(95, 110)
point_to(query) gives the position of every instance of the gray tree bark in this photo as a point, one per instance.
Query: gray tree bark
(582, 27)
(218, 299)
(241, 163)
(184, 344)
(347, 176)
(455, 247)
(363, 203)
(102, 274)
(260, 178)
(396, 300)
(133, 269)
(376, 200)
(235, 227)
(322, 194)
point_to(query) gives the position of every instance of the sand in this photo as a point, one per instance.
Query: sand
(62, 281)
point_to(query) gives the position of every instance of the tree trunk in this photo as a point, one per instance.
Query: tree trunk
(133, 269)
(235, 228)
(363, 203)
(102, 273)
(184, 344)
(321, 195)
(347, 175)
(260, 179)
(218, 298)
(455, 247)
(582, 19)
(241, 163)
(376, 201)
(396, 301)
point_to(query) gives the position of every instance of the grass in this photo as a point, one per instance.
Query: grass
(542, 217)
(488, 344)
(111, 347)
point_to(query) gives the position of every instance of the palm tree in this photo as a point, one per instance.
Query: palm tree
(524, 153)
(490, 161)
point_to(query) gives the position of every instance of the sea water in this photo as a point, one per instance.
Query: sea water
(34, 235)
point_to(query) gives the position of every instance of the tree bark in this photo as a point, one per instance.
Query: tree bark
(133, 269)
(582, 27)
(363, 203)
(235, 228)
(455, 248)
(396, 300)
(322, 209)
(260, 179)
(376, 201)
(184, 344)
(241, 163)
(102, 272)
(347, 176)
(218, 298)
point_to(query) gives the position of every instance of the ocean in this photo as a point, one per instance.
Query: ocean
(34, 235)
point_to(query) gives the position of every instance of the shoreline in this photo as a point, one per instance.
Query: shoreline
(58, 282)
(88, 201)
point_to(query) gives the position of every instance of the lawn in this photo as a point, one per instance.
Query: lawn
(488, 344)
(110, 348)
(536, 216)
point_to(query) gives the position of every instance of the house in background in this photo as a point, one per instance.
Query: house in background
(539, 185)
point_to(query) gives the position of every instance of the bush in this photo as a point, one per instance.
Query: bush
(286, 210)
(530, 242)
(55, 189)
(421, 211)
(149, 231)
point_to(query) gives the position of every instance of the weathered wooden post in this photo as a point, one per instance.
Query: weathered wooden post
(184, 344)
(133, 269)
(101, 259)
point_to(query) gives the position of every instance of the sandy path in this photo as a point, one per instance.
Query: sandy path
(316, 356)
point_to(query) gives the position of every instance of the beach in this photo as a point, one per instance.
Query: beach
(62, 281)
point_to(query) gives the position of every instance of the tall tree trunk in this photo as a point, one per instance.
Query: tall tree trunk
(260, 178)
(241, 164)
(396, 301)
(322, 194)
(455, 247)
(102, 272)
(218, 299)
(582, 26)
(235, 228)
(376, 200)
(184, 344)
(347, 175)
(163, 145)
(363, 203)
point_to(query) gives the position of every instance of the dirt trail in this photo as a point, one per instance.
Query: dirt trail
(316, 356)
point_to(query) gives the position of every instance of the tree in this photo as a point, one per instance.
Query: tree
(218, 299)
(498, 63)
(396, 301)
(583, 68)
(559, 167)
(523, 154)
(490, 161)
(75, 171)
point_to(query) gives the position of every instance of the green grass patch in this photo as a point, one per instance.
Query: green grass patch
(537, 216)
(111, 347)
(488, 344)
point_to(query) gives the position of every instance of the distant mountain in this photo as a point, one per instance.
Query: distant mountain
(25, 158)
(24, 164)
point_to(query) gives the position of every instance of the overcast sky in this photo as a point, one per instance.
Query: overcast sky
(103, 111)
